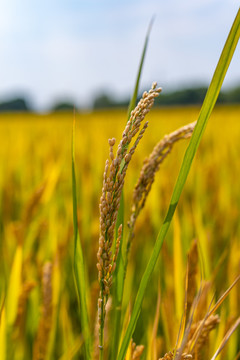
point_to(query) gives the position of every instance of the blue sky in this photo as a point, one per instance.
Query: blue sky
(55, 49)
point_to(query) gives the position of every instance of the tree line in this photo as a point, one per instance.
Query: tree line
(187, 96)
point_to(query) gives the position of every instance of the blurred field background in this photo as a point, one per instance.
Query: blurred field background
(36, 230)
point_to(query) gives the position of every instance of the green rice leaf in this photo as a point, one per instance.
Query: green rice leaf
(79, 266)
(205, 112)
(135, 92)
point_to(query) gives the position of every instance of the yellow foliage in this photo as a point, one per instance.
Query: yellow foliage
(36, 222)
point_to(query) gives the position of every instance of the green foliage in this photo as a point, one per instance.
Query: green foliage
(17, 105)
(232, 96)
(187, 96)
(64, 106)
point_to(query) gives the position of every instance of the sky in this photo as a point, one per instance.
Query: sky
(72, 49)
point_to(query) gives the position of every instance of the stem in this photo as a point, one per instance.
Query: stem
(116, 332)
(101, 328)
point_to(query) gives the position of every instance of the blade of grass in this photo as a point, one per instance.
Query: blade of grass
(226, 338)
(223, 297)
(197, 332)
(152, 350)
(121, 270)
(14, 287)
(178, 267)
(205, 112)
(3, 333)
(79, 267)
(135, 92)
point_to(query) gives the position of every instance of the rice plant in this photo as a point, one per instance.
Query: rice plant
(73, 284)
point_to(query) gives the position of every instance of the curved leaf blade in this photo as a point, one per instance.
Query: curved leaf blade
(205, 112)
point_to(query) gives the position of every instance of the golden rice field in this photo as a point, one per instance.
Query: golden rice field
(38, 303)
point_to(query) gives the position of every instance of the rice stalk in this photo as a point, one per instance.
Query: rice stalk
(191, 301)
(22, 304)
(33, 204)
(119, 274)
(107, 333)
(152, 353)
(170, 356)
(199, 331)
(73, 350)
(44, 328)
(56, 285)
(14, 287)
(147, 176)
(149, 169)
(113, 181)
(226, 338)
(202, 329)
(196, 336)
(184, 331)
(191, 276)
(223, 297)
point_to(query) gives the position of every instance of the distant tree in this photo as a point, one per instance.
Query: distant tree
(14, 105)
(64, 106)
(183, 97)
(103, 101)
(231, 96)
